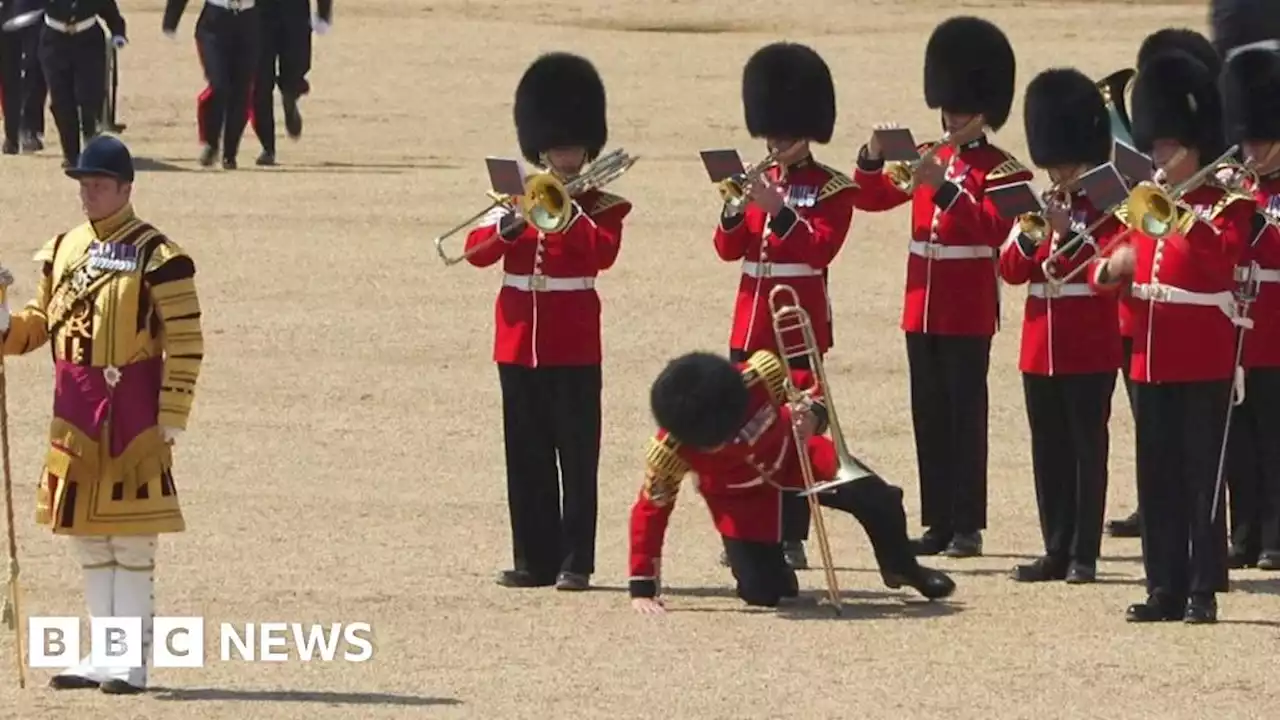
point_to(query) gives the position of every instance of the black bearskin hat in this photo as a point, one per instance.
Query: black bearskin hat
(560, 102)
(969, 67)
(700, 399)
(1184, 39)
(1176, 97)
(1237, 23)
(1066, 120)
(787, 92)
(1251, 96)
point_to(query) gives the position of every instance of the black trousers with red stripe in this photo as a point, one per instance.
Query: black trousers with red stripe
(229, 43)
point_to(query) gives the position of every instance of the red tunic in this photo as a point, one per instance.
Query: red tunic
(1181, 295)
(1069, 329)
(952, 277)
(794, 249)
(1262, 342)
(742, 481)
(548, 312)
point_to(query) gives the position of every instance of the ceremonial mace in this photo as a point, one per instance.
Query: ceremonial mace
(12, 612)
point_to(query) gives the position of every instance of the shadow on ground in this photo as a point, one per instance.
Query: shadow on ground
(299, 696)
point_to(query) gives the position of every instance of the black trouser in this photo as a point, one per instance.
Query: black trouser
(1070, 442)
(75, 68)
(1180, 431)
(795, 509)
(228, 43)
(35, 89)
(949, 412)
(763, 574)
(11, 84)
(284, 62)
(1253, 470)
(24, 84)
(550, 413)
(1127, 345)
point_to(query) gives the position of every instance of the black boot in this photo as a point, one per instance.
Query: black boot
(1041, 570)
(1202, 610)
(523, 579)
(1156, 608)
(932, 584)
(1129, 527)
(292, 117)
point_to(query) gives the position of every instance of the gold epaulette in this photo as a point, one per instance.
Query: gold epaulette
(605, 201)
(46, 251)
(1010, 167)
(764, 366)
(1121, 213)
(163, 251)
(664, 469)
(836, 183)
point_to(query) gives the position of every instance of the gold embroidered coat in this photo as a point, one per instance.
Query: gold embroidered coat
(117, 304)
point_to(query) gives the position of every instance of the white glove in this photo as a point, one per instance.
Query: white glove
(320, 26)
(4, 319)
(171, 434)
(119, 41)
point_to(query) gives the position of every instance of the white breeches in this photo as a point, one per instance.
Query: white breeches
(118, 576)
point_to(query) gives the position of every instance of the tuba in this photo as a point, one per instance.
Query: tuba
(547, 202)
(1116, 89)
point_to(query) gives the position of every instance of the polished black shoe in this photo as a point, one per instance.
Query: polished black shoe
(1082, 573)
(932, 542)
(1155, 609)
(229, 164)
(1042, 569)
(1240, 558)
(207, 155)
(573, 581)
(523, 579)
(31, 143)
(10, 147)
(1129, 527)
(1269, 560)
(72, 682)
(1202, 610)
(120, 687)
(266, 159)
(292, 117)
(964, 545)
(793, 553)
(933, 584)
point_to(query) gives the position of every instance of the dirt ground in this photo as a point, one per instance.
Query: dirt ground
(345, 462)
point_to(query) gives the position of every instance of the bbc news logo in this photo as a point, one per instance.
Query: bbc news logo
(179, 642)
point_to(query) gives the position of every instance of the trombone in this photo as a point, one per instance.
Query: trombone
(547, 201)
(734, 189)
(903, 174)
(1035, 225)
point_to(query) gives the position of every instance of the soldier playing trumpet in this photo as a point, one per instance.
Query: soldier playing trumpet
(1070, 337)
(796, 220)
(547, 344)
(951, 309)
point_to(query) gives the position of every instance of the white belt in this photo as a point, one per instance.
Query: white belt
(232, 5)
(768, 269)
(71, 28)
(1045, 290)
(542, 283)
(1262, 276)
(938, 251)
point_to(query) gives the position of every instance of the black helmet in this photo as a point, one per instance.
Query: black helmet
(104, 156)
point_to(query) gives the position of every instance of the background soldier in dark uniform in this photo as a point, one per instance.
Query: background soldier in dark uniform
(228, 37)
(73, 52)
(284, 62)
(23, 80)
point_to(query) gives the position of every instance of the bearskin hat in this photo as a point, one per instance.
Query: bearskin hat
(700, 399)
(1176, 97)
(1188, 41)
(1238, 23)
(1251, 96)
(560, 102)
(787, 92)
(969, 67)
(1066, 119)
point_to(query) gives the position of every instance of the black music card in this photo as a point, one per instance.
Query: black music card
(721, 164)
(505, 176)
(897, 145)
(1131, 163)
(1104, 186)
(1014, 200)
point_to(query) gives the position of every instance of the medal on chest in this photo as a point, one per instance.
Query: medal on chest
(802, 196)
(113, 257)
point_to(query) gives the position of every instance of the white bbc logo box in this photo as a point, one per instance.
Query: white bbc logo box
(55, 642)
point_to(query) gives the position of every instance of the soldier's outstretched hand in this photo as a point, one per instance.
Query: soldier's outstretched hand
(648, 606)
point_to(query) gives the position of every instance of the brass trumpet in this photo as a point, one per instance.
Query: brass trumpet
(547, 202)
(903, 174)
(734, 189)
(1034, 224)
(1152, 207)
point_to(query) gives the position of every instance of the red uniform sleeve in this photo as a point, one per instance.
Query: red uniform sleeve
(1019, 258)
(599, 234)
(818, 237)
(650, 514)
(969, 220)
(491, 248)
(875, 192)
(736, 232)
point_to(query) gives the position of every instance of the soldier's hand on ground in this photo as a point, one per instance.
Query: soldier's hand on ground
(648, 606)
(119, 41)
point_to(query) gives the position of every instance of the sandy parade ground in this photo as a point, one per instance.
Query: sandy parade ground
(344, 461)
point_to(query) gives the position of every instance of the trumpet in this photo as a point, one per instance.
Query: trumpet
(903, 174)
(547, 201)
(734, 189)
(1034, 224)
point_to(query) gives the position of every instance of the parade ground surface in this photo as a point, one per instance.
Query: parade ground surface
(344, 461)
